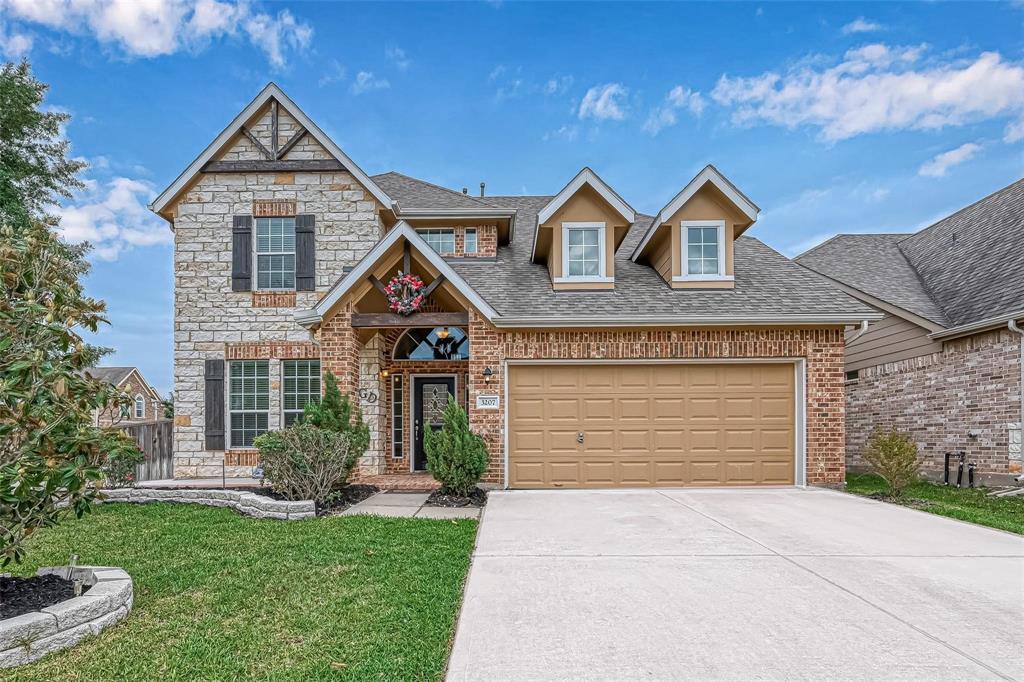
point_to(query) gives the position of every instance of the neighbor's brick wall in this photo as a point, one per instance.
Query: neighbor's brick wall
(822, 348)
(973, 384)
(208, 315)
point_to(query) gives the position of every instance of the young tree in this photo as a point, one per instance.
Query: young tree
(50, 454)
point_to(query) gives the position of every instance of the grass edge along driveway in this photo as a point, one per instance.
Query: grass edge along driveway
(966, 504)
(221, 596)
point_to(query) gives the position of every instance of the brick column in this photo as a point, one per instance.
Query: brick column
(371, 403)
(826, 407)
(339, 350)
(485, 350)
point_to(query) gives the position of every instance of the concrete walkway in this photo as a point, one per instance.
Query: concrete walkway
(409, 504)
(780, 584)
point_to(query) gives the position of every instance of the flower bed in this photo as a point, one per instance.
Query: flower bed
(106, 600)
(249, 504)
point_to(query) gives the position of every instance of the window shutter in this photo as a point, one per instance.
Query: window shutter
(214, 416)
(241, 253)
(305, 253)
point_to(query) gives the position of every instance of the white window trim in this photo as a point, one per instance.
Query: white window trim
(135, 407)
(256, 253)
(281, 364)
(602, 229)
(421, 231)
(684, 239)
(476, 240)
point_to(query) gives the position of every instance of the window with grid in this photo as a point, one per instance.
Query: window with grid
(470, 241)
(249, 400)
(440, 240)
(301, 385)
(140, 407)
(275, 253)
(397, 416)
(702, 251)
(583, 255)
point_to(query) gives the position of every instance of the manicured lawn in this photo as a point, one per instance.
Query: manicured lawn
(222, 597)
(966, 504)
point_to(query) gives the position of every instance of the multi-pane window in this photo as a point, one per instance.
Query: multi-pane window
(441, 240)
(397, 416)
(301, 385)
(275, 253)
(583, 252)
(249, 401)
(470, 241)
(140, 407)
(702, 251)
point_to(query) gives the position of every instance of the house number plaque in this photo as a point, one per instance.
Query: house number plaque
(487, 402)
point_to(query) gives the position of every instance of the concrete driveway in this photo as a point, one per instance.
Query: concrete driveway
(736, 585)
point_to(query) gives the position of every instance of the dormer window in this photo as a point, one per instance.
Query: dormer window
(703, 249)
(584, 252)
(441, 240)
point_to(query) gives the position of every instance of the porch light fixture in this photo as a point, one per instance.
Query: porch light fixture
(488, 373)
(443, 334)
(384, 374)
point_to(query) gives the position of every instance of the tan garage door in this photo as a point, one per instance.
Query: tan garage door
(594, 426)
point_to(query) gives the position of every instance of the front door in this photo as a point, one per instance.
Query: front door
(430, 398)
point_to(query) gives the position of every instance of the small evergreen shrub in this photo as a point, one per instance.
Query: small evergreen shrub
(305, 462)
(456, 456)
(893, 456)
(121, 454)
(335, 412)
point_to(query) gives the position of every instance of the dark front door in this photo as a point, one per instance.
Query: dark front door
(431, 397)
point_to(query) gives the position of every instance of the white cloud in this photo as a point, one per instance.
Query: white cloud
(603, 102)
(1014, 131)
(398, 57)
(557, 85)
(862, 25)
(335, 72)
(113, 218)
(497, 72)
(14, 45)
(937, 167)
(566, 132)
(678, 99)
(877, 88)
(366, 81)
(151, 28)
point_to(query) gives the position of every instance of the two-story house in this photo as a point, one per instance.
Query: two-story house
(592, 345)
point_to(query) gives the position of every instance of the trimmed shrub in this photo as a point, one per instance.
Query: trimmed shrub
(893, 456)
(304, 462)
(121, 454)
(456, 456)
(336, 412)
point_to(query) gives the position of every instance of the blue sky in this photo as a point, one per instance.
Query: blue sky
(831, 117)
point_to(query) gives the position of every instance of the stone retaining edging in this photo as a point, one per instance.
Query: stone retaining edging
(30, 636)
(249, 504)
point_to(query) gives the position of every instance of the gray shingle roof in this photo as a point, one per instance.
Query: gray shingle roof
(767, 283)
(874, 264)
(963, 269)
(112, 375)
(414, 193)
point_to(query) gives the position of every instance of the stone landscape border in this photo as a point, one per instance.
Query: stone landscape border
(249, 504)
(30, 636)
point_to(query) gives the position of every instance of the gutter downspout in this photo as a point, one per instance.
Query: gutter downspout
(861, 332)
(1015, 328)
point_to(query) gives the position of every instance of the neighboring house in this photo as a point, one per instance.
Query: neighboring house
(593, 345)
(145, 403)
(944, 364)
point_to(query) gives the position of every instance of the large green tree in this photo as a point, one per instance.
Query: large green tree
(51, 456)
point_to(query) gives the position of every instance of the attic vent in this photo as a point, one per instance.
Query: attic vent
(482, 185)
(465, 190)
(954, 239)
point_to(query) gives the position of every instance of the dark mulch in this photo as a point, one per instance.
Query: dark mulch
(344, 498)
(442, 498)
(24, 595)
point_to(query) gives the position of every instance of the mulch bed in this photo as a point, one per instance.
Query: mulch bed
(24, 595)
(441, 498)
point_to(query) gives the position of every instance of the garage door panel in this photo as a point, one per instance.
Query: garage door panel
(654, 424)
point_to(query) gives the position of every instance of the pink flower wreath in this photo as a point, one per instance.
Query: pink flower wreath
(405, 293)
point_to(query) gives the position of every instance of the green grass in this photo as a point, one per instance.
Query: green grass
(219, 596)
(966, 504)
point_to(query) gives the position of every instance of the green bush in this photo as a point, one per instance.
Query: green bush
(456, 456)
(305, 462)
(121, 454)
(335, 412)
(893, 456)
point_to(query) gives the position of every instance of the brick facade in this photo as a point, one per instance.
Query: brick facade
(134, 384)
(971, 387)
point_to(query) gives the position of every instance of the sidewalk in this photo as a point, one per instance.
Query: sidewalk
(409, 505)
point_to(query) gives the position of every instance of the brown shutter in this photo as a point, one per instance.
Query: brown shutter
(305, 253)
(214, 417)
(241, 253)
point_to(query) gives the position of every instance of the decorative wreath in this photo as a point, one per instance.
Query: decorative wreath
(405, 293)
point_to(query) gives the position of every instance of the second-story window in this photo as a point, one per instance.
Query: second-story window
(703, 249)
(583, 253)
(140, 407)
(469, 245)
(275, 253)
(441, 240)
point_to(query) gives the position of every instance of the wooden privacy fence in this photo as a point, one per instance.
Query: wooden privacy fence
(156, 442)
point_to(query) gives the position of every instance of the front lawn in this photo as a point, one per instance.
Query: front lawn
(966, 504)
(219, 596)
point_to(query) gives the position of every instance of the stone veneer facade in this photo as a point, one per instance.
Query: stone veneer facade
(972, 386)
(209, 317)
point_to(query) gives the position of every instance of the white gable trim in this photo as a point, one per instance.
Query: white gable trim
(308, 318)
(271, 91)
(709, 174)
